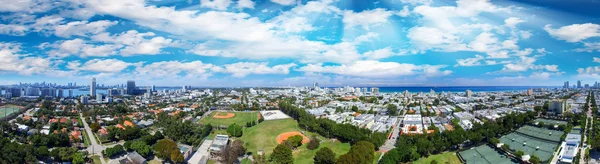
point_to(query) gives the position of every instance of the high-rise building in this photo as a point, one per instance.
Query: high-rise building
(578, 83)
(48, 92)
(566, 85)
(93, 87)
(529, 92)
(431, 92)
(99, 98)
(15, 92)
(61, 93)
(32, 91)
(84, 99)
(374, 90)
(469, 93)
(131, 87)
(70, 93)
(153, 88)
(557, 106)
(406, 93)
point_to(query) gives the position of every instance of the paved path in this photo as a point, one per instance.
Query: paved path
(587, 126)
(95, 148)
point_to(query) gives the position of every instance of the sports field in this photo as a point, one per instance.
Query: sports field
(8, 109)
(240, 118)
(447, 157)
(264, 137)
(484, 154)
(536, 141)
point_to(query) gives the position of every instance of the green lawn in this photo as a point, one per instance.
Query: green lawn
(215, 132)
(263, 137)
(240, 118)
(86, 139)
(447, 157)
(96, 160)
(376, 159)
(304, 155)
(246, 161)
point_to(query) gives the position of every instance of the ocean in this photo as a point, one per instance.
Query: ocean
(426, 89)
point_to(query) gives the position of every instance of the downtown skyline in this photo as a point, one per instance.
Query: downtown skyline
(228, 43)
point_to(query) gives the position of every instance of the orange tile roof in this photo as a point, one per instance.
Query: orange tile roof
(120, 126)
(128, 123)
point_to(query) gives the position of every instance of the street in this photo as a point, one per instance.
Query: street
(95, 148)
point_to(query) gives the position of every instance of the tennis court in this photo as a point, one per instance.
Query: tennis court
(6, 110)
(550, 122)
(485, 154)
(534, 141)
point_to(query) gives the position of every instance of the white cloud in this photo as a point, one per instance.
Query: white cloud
(99, 65)
(13, 62)
(416, 2)
(368, 37)
(512, 22)
(379, 53)
(81, 48)
(217, 4)
(596, 60)
(526, 63)
(82, 28)
(589, 72)
(366, 18)
(476, 61)
(404, 12)
(425, 38)
(242, 69)
(245, 4)
(574, 32)
(13, 29)
(175, 68)
(30, 6)
(589, 47)
(284, 2)
(376, 69)
(135, 42)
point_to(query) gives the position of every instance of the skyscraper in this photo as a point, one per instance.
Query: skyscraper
(578, 83)
(93, 87)
(566, 84)
(70, 93)
(153, 88)
(131, 87)
(469, 93)
(61, 93)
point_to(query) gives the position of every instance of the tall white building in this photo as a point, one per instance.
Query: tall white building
(93, 87)
(70, 92)
(469, 93)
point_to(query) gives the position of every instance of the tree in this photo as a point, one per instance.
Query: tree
(534, 159)
(176, 156)
(259, 159)
(392, 109)
(362, 152)
(234, 130)
(520, 153)
(78, 158)
(313, 143)
(109, 152)
(230, 153)
(164, 148)
(141, 148)
(282, 154)
(296, 140)
(95, 127)
(324, 156)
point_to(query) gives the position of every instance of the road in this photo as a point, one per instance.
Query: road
(588, 125)
(95, 148)
(391, 142)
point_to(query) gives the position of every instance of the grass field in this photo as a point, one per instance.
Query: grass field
(240, 118)
(376, 159)
(8, 109)
(96, 160)
(447, 157)
(263, 137)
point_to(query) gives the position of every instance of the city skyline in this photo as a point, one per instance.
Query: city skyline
(247, 43)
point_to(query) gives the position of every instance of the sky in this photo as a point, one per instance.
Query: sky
(297, 42)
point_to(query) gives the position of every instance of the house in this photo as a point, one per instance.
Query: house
(186, 150)
(133, 158)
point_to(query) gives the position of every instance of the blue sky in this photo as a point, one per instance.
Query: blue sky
(292, 42)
